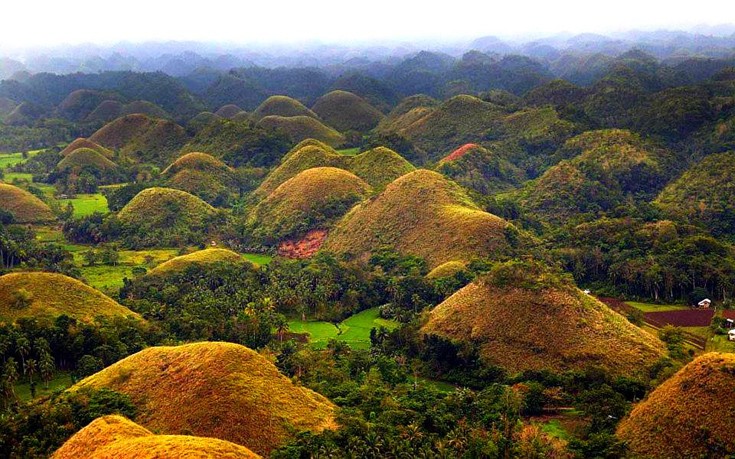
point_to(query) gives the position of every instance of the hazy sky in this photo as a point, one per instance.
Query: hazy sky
(33, 22)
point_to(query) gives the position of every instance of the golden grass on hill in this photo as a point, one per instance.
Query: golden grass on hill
(312, 199)
(200, 257)
(50, 295)
(479, 169)
(346, 111)
(303, 127)
(115, 437)
(447, 269)
(218, 390)
(228, 111)
(145, 107)
(25, 207)
(377, 167)
(690, 415)
(422, 214)
(81, 142)
(85, 157)
(160, 207)
(522, 317)
(282, 106)
(201, 175)
(396, 120)
(198, 161)
(140, 138)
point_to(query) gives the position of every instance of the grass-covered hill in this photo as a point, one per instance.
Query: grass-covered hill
(23, 206)
(218, 390)
(690, 415)
(204, 176)
(313, 199)
(704, 194)
(447, 269)
(423, 214)
(239, 143)
(204, 257)
(46, 296)
(140, 138)
(606, 168)
(228, 111)
(346, 111)
(106, 111)
(479, 169)
(396, 120)
(81, 142)
(282, 106)
(85, 157)
(303, 127)
(522, 316)
(115, 437)
(80, 103)
(377, 167)
(161, 216)
(200, 121)
(438, 130)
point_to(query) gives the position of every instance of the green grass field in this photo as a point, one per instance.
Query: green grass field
(87, 204)
(258, 258)
(60, 381)
(10, 159)
(354, 330)
(349, 151)
(650, 307)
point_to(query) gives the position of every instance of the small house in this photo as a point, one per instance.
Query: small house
(705, 303)
(731, 335)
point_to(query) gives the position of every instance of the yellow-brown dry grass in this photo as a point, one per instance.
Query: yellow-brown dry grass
(529, 325)
(200, 258)
(303, 127)
(691, 415)
(447, 269)
(81, 142)
(25, 207)
(157, 206)
(346, 111)
(82, 157)
(312, 199)
(423, 214)
(52, 295)
(115, 437)
(282, 106)
(219, 390)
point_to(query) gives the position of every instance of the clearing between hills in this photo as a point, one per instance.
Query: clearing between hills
(87, 204)
(355, 330)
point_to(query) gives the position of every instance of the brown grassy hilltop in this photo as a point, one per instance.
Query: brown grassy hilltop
(114, 437)
(422, 214)
(24, 206)
(692, 414)
(81, 142)
(219, 390)
(346, 111)
(49, 295)
(524, 317)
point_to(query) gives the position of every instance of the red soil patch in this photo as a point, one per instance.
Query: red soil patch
(683, 318)
(617, 305)
(461, 151)
(304, 247)
(728, 314)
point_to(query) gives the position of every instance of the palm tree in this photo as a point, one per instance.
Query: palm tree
(281, 326)
(30, 369)
(23, 346)
(46, 367)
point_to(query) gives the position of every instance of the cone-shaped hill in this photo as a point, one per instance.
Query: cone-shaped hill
(313, 199)
(420, 104)
(202, 175)
(115, 437)
(423, 214)
(607, 166)
(200, 121)
(106, 111)
(377, 167)
(199, 258)
(691, 414)
(302, 127)
(85, 157)
(458, 120)
(23, 206)
(282, 106)
(48, 295)
(704, 194)
(140, 138)
(218, 390)
(81, 142)
(229, 111)
(524, 317)
(479, 169)
(165, 215)
(346, 111)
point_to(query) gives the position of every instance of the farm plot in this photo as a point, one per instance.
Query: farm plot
(681, 318)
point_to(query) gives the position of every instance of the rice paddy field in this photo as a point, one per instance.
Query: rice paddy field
(354, 330)
(86, 204)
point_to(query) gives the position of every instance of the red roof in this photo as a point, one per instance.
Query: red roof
(728, 314)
